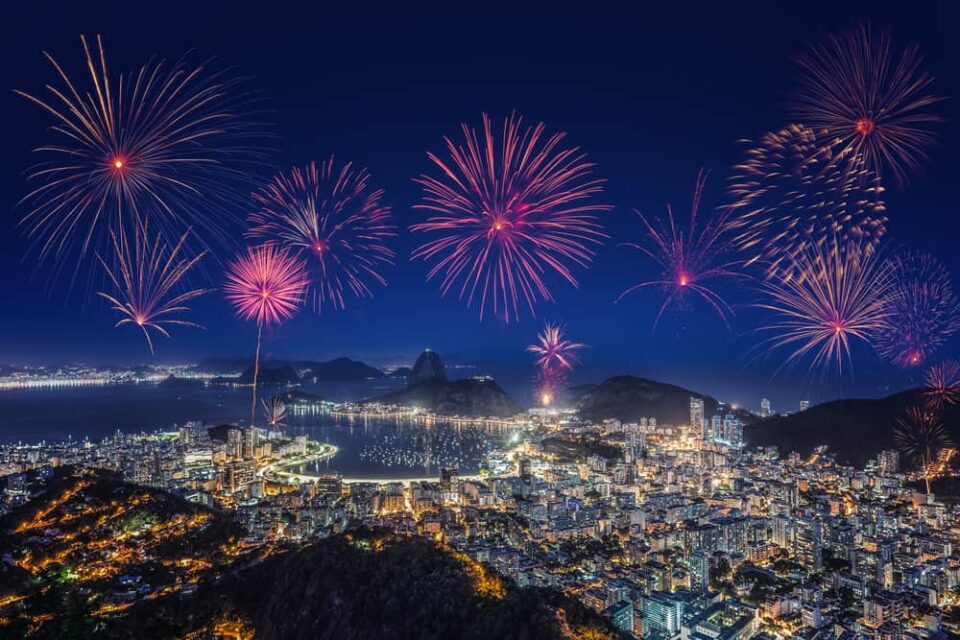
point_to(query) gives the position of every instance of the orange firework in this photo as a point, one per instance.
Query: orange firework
(871, 99)
(942, 384)
(839, 295)
(791, 191)
(168, 141)
(146, 276)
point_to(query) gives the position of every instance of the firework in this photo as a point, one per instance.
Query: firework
(791, 191)
(162, 140)
(509, 210)
(555, 358)
(924, 310)
(554, 351)
(146, 275)
(275, 411)
(839, 296)
(942, 384)
(872, 101)
(692, 260)
(920, 434)
(335, 220)
(266, 284)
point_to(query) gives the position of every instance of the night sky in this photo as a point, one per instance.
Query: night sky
(652, 94)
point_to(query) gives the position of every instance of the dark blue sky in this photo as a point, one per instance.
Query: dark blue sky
(651, 93)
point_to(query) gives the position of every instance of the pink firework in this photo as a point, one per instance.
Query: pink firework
(146, 278)
(692, 260)
(942, 384)
(509, 209)
(331, 217)
(554, 351)
(838, 297)
(265, 284)
(875, 101)
(923, 313)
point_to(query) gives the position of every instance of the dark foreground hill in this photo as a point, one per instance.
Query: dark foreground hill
(855, 430)
(467, 397)
(630, 398)
(91, 546)
(366, 585)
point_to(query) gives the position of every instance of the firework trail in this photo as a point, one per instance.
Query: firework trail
(146, 275)
(555, 358)
(275, 412)
(942, 384)
(839, 296)
(162, 140)
(791, 191)
(266, 284)
(509, 209)
(923, 310)
(333, 219)
(921, 435)
(691, 260)
(872, 100)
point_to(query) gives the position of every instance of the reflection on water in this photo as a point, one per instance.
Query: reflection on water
(378, 447)
(368, 447)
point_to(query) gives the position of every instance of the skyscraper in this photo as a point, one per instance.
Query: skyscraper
(696, 416)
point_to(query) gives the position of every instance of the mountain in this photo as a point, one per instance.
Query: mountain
(630, 398)
(269, 377)
(338, 370)
(855, 430)
(475, 397)
(366, 585)
(176, 382)
(428, 367)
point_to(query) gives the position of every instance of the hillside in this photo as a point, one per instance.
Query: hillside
(366, 585)
(855, 430)
(630, 398)
(466, 397)
(92, 546)
(336, 370)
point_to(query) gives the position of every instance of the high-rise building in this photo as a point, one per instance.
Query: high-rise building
(888, 461)
(662, 613)
(809, 543)
(804, 405)
(765, 411)
(696, 416)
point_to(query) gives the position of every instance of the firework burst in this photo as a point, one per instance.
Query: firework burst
(266, 284)
(335, 220)
(923, 312)
(871, 99)
(692, 261)
(838, 297)
(146, 275)
(275, 412)
(159, 141)
(791, 191)
(555, 358)
(508, 210)
(920, 434)
(942, 384)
